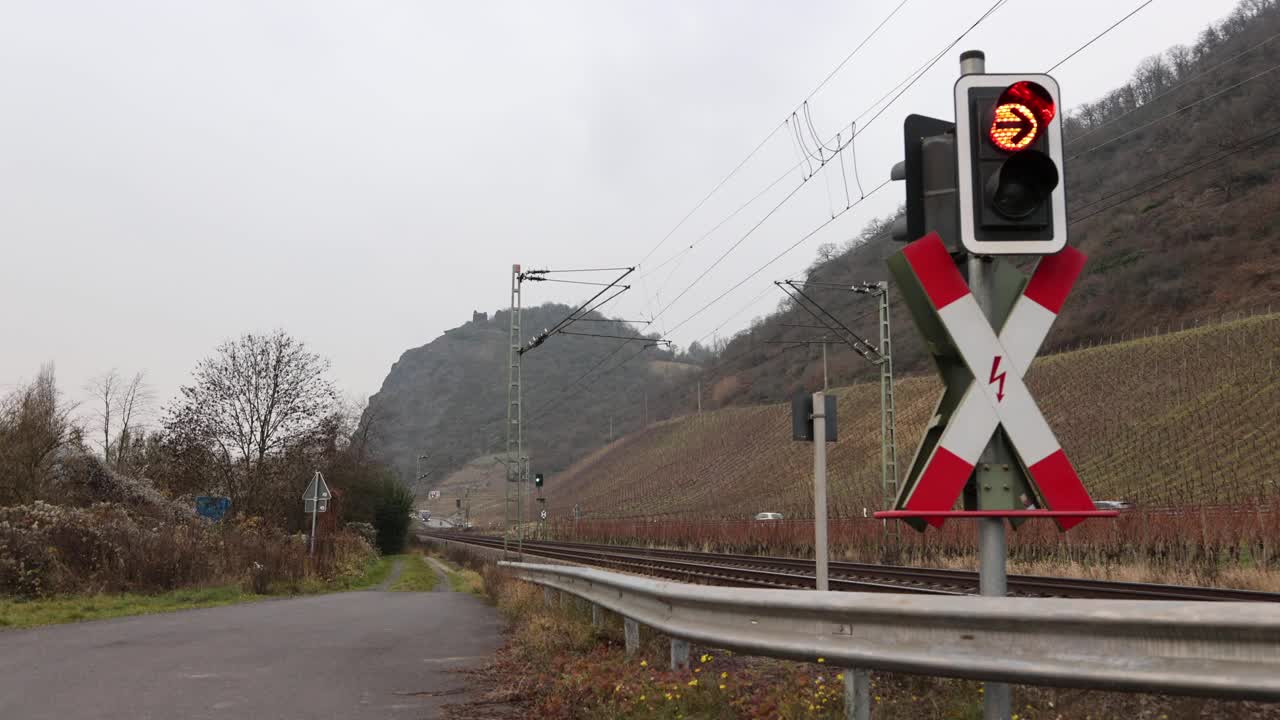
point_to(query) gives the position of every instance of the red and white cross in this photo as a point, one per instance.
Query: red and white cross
(997, 396)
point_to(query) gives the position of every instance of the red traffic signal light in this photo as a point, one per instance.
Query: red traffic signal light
(1023, 111)
(1009, 164)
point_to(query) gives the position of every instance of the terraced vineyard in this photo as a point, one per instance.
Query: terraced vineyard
(1182, 418)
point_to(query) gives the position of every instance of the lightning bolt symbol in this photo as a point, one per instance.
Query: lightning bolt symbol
(997, 377)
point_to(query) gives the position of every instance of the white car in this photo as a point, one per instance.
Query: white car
(768, 516)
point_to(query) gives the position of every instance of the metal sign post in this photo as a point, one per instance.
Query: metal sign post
(820, 488)
(813, 419)
(315, 499)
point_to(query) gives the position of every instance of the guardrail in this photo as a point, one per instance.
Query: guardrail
(1225, 650)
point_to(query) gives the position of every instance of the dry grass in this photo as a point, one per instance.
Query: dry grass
(557, 666)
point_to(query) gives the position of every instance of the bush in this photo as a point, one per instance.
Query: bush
(48, 550)
(364, 530)
(391, 516)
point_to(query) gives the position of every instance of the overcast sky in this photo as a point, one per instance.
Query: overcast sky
(363, 174)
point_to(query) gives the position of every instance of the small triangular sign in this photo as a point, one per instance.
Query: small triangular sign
(318, 489)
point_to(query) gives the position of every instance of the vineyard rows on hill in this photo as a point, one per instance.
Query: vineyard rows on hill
(1182, 418)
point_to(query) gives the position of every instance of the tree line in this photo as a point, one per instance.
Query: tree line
(258, 417)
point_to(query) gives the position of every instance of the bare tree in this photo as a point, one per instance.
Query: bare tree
(105, 390)
(34, 425)
(827, 252)
(135, 402)
(255, 397)
(119, 405)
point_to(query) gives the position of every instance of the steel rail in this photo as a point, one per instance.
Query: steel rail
(771, 571)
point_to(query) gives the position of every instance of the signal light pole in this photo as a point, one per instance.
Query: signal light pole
(989, 184)
(992, 544)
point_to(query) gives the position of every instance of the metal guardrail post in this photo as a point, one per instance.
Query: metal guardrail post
(548, 596)
(597, 616)
(631, 629)
(679, 654)
(857, 694)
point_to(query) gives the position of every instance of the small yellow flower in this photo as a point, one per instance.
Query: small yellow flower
(644, 663)
(693, 682)
(697, 670)
(722, 687)
(724, 675)
(669, 696)
(822, 660)
(641, 698)
(839, 676)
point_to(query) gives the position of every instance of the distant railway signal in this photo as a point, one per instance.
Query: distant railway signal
(1009, 165)
(537, 479)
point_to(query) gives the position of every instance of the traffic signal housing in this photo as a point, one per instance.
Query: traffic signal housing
(537, 479)
(1009, 165)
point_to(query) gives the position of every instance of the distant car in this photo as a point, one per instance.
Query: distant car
(768, 516)
(1113, 505)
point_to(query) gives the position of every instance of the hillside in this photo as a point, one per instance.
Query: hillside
(1182, 417)
(1173, 199)
(447, 399)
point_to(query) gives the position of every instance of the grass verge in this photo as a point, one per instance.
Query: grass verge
(461, 572)
(33, 613)
(416, 576)
(19, 614)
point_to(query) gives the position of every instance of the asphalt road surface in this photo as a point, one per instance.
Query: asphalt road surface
(347, 655)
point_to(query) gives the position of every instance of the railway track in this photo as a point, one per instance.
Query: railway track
(783, 572)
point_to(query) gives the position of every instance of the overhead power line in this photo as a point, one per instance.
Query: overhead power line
(1097, 37)
(1172, 89)
(920, 72)
(895, 92)
(772, 132)
(582, 309)
(859, 344)
(901, 88)
(611, 337)
(1179, 111)
(1187, 169)
(774, 259)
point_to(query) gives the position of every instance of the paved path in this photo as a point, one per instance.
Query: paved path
(348, 655)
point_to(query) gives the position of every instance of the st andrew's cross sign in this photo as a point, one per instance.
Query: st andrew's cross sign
(985, 391)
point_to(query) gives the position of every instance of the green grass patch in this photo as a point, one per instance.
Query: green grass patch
(417, 576)
(463, 580)
(18, 614)
(374, 574)
(33, 613)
